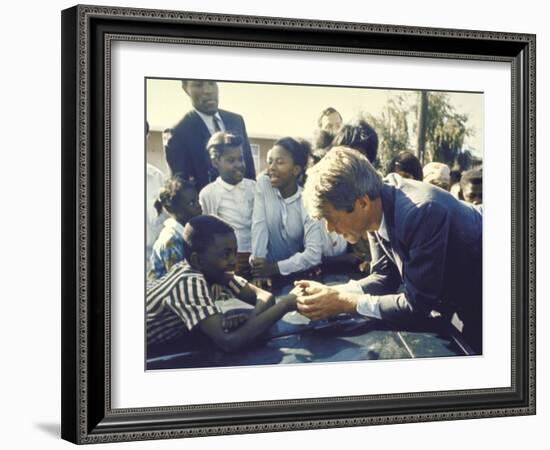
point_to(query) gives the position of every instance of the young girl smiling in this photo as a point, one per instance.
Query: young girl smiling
(285, 240)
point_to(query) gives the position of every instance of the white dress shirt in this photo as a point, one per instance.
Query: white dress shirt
(368, 304)
(234, 204)
(209, 121)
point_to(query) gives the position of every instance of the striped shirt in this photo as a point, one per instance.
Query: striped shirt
(182, 295)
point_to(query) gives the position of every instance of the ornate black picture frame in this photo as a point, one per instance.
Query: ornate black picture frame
(87, 35)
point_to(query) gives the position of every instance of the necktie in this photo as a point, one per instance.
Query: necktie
(217, 124)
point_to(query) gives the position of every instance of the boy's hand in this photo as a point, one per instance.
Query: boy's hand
(232, 321)
(291, 301)
(308, 287)
(320, 301)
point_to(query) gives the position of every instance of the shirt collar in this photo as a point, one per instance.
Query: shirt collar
(227, 186)
(209, 118)
(297, 195)
(383, 230)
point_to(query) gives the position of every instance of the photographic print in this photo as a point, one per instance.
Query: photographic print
(294, 223)
(257, 208)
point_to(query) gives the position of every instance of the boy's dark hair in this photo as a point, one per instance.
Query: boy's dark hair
(327, 112)
(220, 142)
(472, 176)
(361, 137)
(406, 162)
(199, 232)
(169, 194)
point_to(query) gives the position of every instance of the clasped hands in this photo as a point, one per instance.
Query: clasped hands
(317, 301)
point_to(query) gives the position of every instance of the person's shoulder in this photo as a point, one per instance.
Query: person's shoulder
(208, 190)
(230, 114)
(170, 234)
(178, 273)
(414, 203)
(187, 121)
(263, 184)
(249, 184)
(412, 194)
(167, 243)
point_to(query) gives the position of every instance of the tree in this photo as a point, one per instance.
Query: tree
(392, 129)
(445, 130)
(422, 123)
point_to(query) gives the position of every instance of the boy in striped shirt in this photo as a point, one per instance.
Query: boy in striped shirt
(181, 301)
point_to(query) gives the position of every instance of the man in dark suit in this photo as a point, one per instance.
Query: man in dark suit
(426, 246)
(186, 153)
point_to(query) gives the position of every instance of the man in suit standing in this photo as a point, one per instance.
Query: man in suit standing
(422, 239)
(186, 153)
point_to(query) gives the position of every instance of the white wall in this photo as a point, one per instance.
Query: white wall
(30, 387)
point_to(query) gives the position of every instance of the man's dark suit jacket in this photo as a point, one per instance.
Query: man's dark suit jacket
(434, 251)
(186, 153)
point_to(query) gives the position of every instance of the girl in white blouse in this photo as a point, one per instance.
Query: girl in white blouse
(285, 240)
(231, 196)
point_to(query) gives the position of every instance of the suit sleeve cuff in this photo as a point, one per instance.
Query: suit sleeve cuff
(369, 305)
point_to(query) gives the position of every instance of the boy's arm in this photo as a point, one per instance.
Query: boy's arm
(234, 340)
(248, 293)
(253, 295)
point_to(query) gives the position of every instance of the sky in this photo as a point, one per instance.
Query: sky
(275, 110)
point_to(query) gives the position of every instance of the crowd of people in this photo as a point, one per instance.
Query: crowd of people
(319, 231)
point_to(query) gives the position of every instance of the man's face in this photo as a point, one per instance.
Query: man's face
(331, 123)
(219, 257)
(204, 95)
(366, 216)
(472, 193)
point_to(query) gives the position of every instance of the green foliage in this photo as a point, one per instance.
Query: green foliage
(392, 129)
(445, 128)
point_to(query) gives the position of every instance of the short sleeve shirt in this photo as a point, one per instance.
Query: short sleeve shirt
(179, 301)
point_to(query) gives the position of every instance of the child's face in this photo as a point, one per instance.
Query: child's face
(219, 257)
(188, 206)
(231, 165)
(281, 168)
